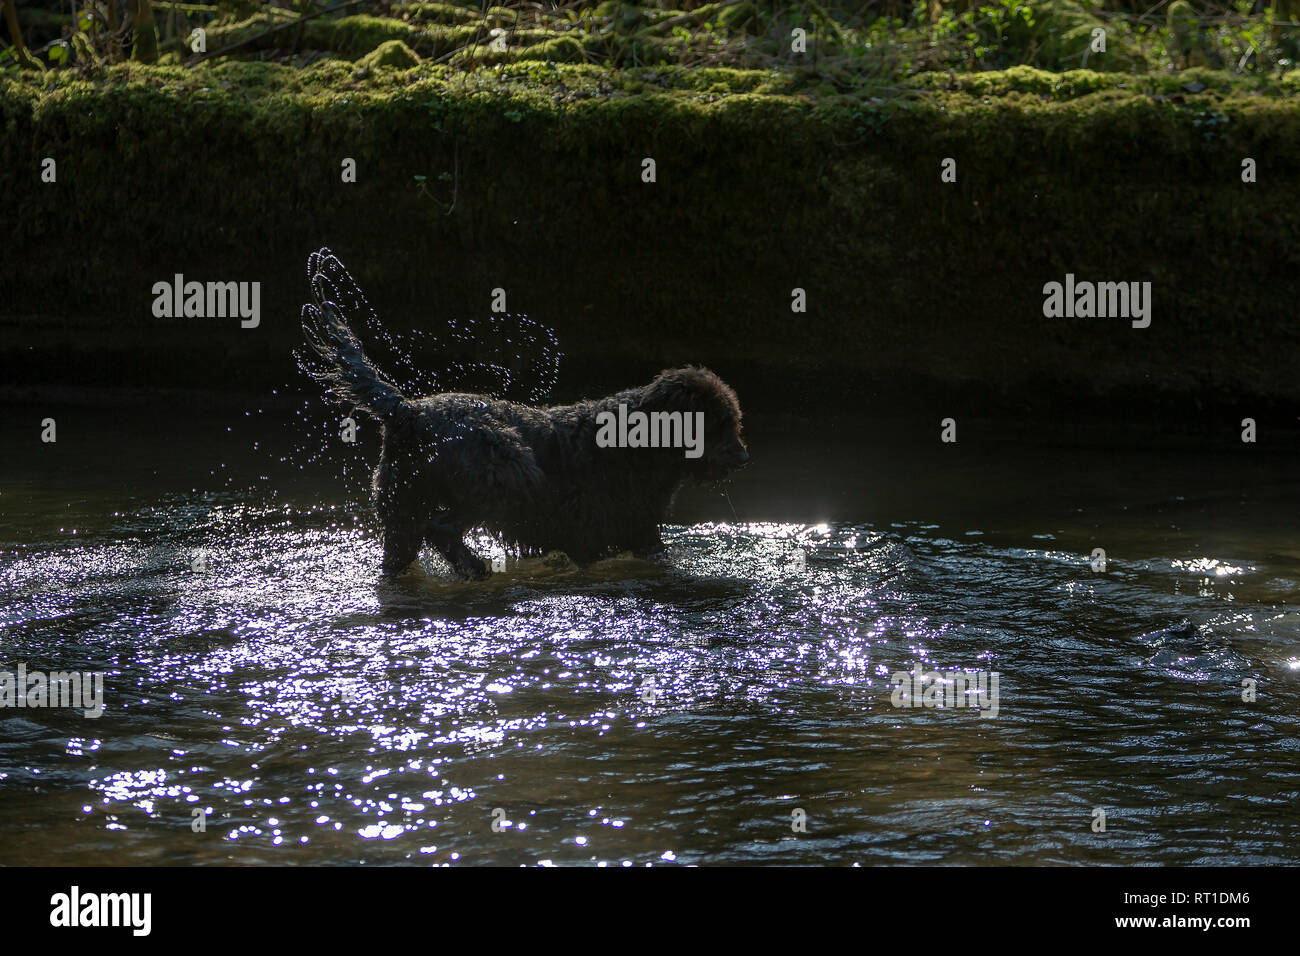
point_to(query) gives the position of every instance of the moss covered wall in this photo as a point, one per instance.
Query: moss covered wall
(233, 173)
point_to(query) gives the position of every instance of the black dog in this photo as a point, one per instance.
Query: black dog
(535, 478)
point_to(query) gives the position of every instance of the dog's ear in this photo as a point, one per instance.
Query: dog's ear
(690, 389)
(668, 392)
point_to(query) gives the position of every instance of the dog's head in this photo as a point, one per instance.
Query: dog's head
(693, 389)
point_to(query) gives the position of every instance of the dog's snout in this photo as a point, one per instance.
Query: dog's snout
(742, 457)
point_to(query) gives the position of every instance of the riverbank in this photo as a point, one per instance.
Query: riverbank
(531, 178)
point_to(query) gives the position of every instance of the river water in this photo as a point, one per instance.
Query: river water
(728, 703)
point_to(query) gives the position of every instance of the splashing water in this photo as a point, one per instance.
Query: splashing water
(514, 358)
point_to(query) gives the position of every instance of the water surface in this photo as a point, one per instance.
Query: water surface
(675, 711)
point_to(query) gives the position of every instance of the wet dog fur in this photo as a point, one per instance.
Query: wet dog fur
(533, 477)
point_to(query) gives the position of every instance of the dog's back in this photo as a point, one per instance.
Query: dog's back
(534, 477)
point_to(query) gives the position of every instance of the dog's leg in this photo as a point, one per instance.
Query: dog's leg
(398, 506)
(401, 547)
(450, 543)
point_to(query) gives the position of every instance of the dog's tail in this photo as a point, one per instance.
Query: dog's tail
(338, 362)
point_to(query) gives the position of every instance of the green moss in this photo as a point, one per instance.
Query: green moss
(850, 50)
(1073, 84)
(29, 62)
(85, 54)
(221, 35)
(557, 50)
(501, 16)
(358, 35)
(350, 37)
(444, 13)
(393, 53)
(742, 18)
